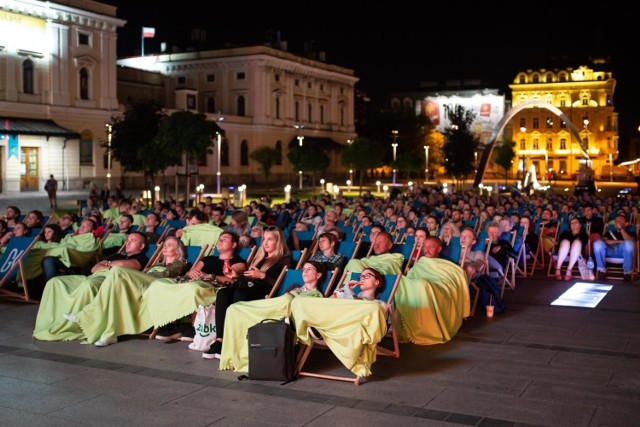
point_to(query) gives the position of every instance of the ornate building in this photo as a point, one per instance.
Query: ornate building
(260, 96)
(585, 98)
(57, 91)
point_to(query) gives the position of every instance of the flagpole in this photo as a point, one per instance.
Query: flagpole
(142, 41)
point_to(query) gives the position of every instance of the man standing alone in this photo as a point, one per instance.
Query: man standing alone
(52, 189)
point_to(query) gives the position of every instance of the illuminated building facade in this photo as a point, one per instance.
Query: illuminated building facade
(57, 91)
(585, 97)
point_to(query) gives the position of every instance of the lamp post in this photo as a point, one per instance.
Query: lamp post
(426, 162)
(522, 168)
(300, 180)
(394, 134)
(300, 137)
(218, 149)
(109, 131)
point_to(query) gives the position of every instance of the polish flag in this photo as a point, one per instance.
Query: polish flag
(148, 32)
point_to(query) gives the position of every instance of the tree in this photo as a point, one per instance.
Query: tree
(503, 155)
(133, 138)
(409, 162)
(267, 157)
(308, 158)
(361, 155)
(460, 144)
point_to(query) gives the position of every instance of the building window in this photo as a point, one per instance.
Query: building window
(86, 153)
(83, 39)
(608, 100)
(585, 141)
(309, 113)
(549, 122)
(536, 123)
(321, 88)
(609, 146)
(84, 83)
(182, 80)
(563, 102)
(309, 85)
(549, 144)
(240, 76)
(522, 80)
(341, 116)
(211, 78)
(536, 145)
(563, 77)
(224, 153)
(535, 79)
(563, 144)
(523, 123)
(211, 105)
(240, 106)
(522, 144)
(277, 108)
(27, 76)
(585, 101)
(244, 153)
(322, 114)
(277, 77)
(297, 112)
(549, 78)
(563, 167)
(296, 82)
(563, 124)
(278, 153)
(191, 102)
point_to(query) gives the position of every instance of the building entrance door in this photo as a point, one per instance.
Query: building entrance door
(28, 169)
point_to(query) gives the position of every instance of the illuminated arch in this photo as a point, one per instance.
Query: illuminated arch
(496, 134)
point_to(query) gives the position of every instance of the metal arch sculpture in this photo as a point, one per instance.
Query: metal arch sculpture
(497, 133)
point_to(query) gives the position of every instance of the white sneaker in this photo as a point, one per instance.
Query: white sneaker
(70, 317)
(103, 342)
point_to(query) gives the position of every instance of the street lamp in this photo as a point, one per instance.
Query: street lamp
(522, 168)
(109, 131)
(300, 137)
(218, 149)
(426, 162)
(300, 179)
(394, 134)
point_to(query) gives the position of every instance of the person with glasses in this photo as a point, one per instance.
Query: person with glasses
(370, 282)
(256, 282)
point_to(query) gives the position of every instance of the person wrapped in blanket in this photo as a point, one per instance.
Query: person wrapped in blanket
(242, 315)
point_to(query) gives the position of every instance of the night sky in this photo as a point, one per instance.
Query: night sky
(394, 49)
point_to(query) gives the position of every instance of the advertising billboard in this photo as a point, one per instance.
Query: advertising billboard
(488, 110)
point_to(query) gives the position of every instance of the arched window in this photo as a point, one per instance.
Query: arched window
(224, 153)
(211, 105)
(279, 153)
(27, 76)
(244, 153)
(240, 106)
(84, 83)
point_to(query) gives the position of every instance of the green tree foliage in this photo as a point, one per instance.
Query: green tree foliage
(503, 155)
(361, 155)
(133, 138)
(409, 162)
(187, 132)
(460, 144)
(267, 157)
(308, 158)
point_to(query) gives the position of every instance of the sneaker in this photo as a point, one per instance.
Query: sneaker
(627, 277)
(214, 351)
(70, 317)
(103, 342)
(602, 275)
(169, 332)
(188, 332)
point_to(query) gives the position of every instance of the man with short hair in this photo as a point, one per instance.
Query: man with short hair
(217, 217)
(617, 243)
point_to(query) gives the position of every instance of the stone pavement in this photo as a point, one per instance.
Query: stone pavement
(534, 364)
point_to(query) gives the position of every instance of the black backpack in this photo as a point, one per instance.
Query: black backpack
(272, 353)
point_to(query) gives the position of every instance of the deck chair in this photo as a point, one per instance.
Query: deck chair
(247, 254)
(276, 286)
(294, 276)
(299, 257)
(504, 276)
(472, 283)
(387, 295)
(174, 223)
(553, 256)
(11, 262)
(152, 251)
(348, 249)
(615, 264)
(306, 239)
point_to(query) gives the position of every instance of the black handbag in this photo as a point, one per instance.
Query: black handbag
(272, 354)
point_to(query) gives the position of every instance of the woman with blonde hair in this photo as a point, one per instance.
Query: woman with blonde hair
(256, 282)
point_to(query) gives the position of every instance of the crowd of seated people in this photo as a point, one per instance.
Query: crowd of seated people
(433, 220)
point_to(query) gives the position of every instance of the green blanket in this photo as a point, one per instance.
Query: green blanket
(431, 302)
(114, 240)
(200, 235)
(244, 314)
(166, 301)
(384, 264)
(75, 251)
(65, 294)
(350, 328)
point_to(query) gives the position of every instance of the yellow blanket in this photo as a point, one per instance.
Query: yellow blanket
(75, 251)
(431, 302)
(350, 328)
(244, 314)
(164, 300)
(200, 235)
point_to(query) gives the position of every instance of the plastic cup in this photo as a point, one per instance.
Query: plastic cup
(489, 311)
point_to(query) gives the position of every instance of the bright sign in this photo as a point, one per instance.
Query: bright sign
(488, 109)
